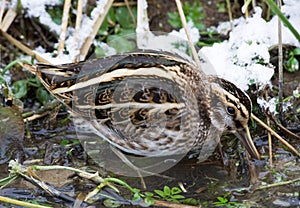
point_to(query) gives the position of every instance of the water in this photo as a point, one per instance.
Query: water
(210, 183)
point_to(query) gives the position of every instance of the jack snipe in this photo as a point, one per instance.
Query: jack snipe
(151, 103)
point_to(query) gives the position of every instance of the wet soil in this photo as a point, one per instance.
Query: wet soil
(52, 140)
(232, 177)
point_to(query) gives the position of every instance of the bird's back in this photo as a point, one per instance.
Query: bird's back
(145, 103)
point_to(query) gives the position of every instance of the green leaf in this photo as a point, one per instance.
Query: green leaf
(42, 95)
(285, 20)
(293, 64)
(149, 201)
(175, 190)
(99, 52)
(149, 194)
(6, 181)
(136, 196)
(111, 15)
(124, 18)
(55, 14)
(19, 88)
(111, 203)
(177, 196)
(121, 44)
(160, 193)
(189, 201)
(174, 20)
(222, 199)
(296, 51)
(193, 13)
(167, 190)
(104, 29)
(64, 142)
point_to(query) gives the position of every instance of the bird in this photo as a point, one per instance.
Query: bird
(151, 103)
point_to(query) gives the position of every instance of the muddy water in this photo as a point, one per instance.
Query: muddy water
(51, 142)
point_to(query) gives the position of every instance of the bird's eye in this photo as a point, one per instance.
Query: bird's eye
(231, 110)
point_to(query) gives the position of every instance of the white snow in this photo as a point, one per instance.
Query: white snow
(175, 41)
(269, 106)
(37, 9)
(296, 92)
(244, 57)
(194, 33)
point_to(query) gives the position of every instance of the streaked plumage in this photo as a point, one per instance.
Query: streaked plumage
(151, 103)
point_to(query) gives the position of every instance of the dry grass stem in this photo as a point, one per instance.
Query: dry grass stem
(172, 205)
(34, 117)
(8, 19)
(270, 146)
(64, 25)
(121, 4)
(130, 11)
(282, 128)
(283, 183)
(288, 145)
(97, 23)
(77, 25)
(183, 21)
(229, 13)
(280, 65)
(11, 201)
(23, 48)
(2, 10)
(245, 8)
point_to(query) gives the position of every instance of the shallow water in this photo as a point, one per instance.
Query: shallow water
(52, 143)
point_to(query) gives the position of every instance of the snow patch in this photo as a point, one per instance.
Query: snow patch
(244, 58)
(37, 9)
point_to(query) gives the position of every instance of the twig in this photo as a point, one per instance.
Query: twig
(269, 140)
(20, 203)
(23, 48)
(245, 7)
(270, 146)
(275, 134)
(282, 128)
(27, 173)
(130, 11)
(38, 29)
(2, 11)
(64, 25)
(280, 68)
(229, 13)
(285, 21)
(8, 19)
(183, 21)
(77, 26)
(277, 184)
(120, 4)
(97, 23)
(35, 116)
(173, 205)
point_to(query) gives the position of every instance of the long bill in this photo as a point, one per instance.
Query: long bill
(245, 137)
